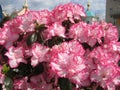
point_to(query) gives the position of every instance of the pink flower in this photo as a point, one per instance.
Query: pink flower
(3, 36)
(70, 10)
(86, 33)
(38, 83)
(95, 33)
(107, 70)
(39, 54)
(20, 84)
(14, 24)
(16, 56)
(104, 56)
(100, 63)
(54, 30)
(111, 32)
(7, 37)
(113, 47)
(107, 76)
(35, 83)
(28, 20)
(27, 23)
(67, 61)
(42, 16)
(79, 31)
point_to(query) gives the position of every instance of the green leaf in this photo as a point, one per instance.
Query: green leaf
(56, 40)
(64, 84)
(39, 69)
(31, 39)
(67, 24)
(8, 82)
(40, 28)
(24, 69)
(5, 69)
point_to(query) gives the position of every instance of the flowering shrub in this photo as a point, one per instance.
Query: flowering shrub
(57, 50)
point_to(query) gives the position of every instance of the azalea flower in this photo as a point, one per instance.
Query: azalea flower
(67, 61)
(39, 54)
(107, 76)
(43, 48)
(56, 29)
(8, 37)
(70, 10)
(16, 56)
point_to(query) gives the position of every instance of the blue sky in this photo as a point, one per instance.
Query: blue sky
(97, 6)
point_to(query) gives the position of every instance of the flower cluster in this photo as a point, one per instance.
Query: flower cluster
(57, 50)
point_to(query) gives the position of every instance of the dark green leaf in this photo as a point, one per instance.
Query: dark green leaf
(64, 84)
(38, 69)
(99, 88)
(40, 28)
(11, 73)
(24, 69)
(86, 46)
(40, 38)
(76, 20)
(8, 82)
(0, 86)
(54, 41)
(20, 37)
(67, 24)
(119, 63)
(31, 39)
(5, 69)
